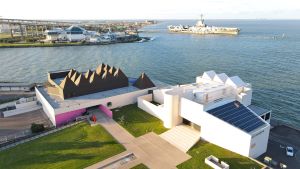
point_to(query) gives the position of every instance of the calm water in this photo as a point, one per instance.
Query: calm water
(265, 54)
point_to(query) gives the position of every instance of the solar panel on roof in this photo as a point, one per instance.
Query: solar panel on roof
(238, 115)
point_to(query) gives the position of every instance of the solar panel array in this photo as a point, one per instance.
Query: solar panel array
(238, 115)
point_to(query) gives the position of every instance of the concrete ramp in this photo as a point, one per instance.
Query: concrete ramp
(183, 137)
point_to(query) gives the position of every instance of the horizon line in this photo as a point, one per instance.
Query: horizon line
(154, 19)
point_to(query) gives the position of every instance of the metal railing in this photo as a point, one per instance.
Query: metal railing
(5, 139)
(28, 99)
(21, 134)
(9, 142)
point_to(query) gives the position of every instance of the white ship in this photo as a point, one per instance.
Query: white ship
(202, 28)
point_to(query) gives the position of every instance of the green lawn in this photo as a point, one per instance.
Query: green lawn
(204, 149)
(140, 166)
(76, 147)
(136, 121)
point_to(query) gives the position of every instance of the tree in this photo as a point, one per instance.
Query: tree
(36, 128)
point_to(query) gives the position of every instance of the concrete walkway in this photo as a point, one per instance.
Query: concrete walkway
(149, 149)
(182, 136)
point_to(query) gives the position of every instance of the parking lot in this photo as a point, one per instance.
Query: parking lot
(280, 137)
(19, 123)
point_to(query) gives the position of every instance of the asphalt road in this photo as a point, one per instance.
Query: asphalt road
(277, 144)
(19, 123)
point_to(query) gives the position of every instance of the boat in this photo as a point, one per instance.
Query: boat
(202, 28)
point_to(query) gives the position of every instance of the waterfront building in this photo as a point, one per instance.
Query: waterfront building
(71, 34)
(108, 37)
(76, 33)
(55, 34)
(68, 93)
(217, 107)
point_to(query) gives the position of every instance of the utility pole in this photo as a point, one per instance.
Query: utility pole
(26, 33)
(36, 29)
(11, 31)
(21, 29)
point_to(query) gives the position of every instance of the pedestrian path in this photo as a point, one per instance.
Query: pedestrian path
(182, 136)
(149, 149)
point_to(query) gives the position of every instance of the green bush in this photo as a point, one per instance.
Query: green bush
(36, 128)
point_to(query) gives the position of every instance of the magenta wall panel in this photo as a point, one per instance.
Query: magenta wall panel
(68, 116)
(106, 110)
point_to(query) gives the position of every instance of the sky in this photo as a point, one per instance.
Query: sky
(149, 9)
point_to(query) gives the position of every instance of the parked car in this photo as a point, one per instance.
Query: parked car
(289, 151)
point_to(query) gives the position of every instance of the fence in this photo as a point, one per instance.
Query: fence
(24, 100)
(31, 137)
(22, 134)
(9, 138)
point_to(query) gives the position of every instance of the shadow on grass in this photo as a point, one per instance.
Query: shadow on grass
(54, 153)
(50, 158)
(240, 163)
(78, 145)
(133, 114)
(203, 149)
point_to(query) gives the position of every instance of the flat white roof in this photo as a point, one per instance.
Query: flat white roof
(258, 110)
(56, 102)
(204, 87)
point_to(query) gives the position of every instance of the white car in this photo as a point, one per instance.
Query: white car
(289, 151)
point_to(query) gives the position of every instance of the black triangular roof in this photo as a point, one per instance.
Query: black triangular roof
(143, 82)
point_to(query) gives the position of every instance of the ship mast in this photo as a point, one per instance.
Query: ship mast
(200, 23)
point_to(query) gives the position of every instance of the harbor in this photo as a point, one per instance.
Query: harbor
(74, 83)
(43, 33)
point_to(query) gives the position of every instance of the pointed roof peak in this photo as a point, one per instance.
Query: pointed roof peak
(71, 72)
(88, 74)
(79, 79)
(65, 82)
(143, 82)
(75, 75)
(104, 75)
(116, 72)
(106, 67)
(112, 70)
(99, 68)
(92, 77)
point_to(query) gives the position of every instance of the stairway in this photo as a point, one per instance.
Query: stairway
(182, 136)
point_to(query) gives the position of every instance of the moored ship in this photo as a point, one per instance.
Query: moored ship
(202, 28)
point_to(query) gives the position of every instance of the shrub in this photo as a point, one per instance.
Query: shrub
(36, 128)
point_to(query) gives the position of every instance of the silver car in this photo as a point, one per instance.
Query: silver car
(289, 151)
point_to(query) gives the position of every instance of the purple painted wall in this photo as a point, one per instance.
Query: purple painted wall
(106, 110)
(68, 116)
